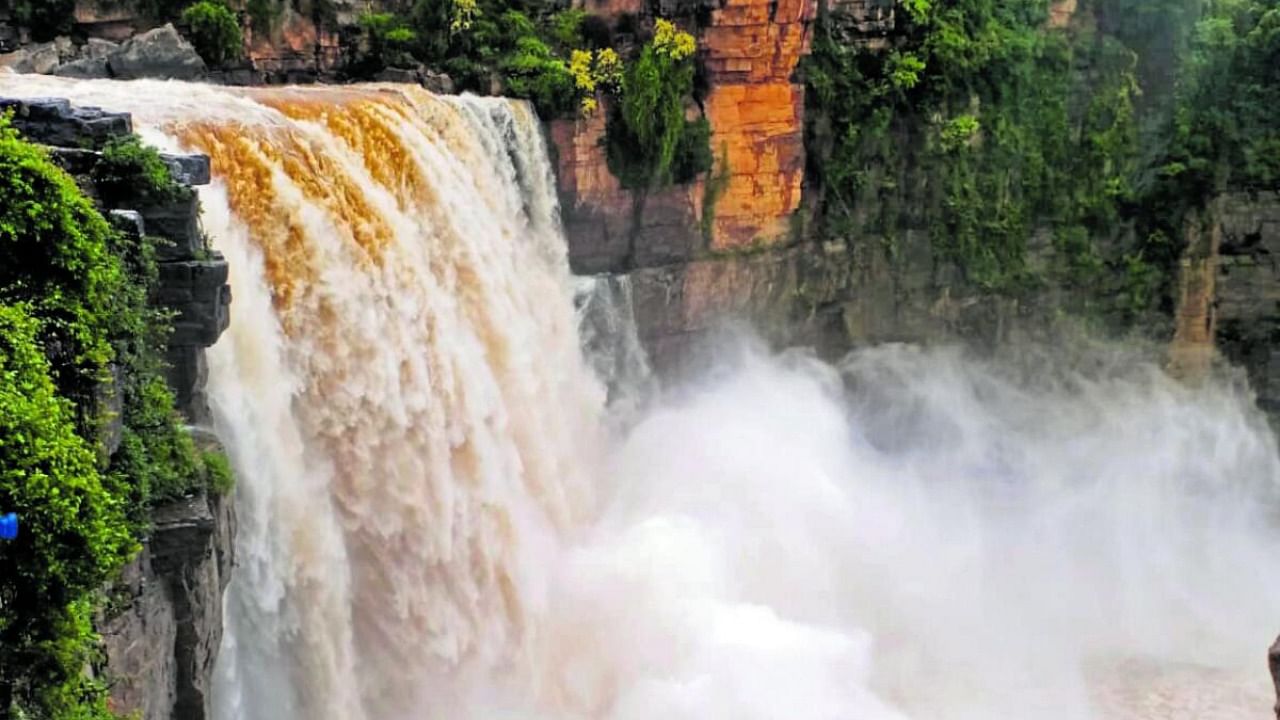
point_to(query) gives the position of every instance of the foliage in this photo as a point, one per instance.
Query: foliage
(1015, 126)
(213, 31)
(130, 172)
(74, 322)
(73, 535)
(566, 27)
(55, 255)
(606, 73)
(984, 126)
(463, 16)
(647, 130)
(221, 479)
(534, 72)
(959, 131)
(672, 42)
(46, 18)
(389, 40)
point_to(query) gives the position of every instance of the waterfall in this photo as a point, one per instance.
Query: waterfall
(440, 519)
(609, 337)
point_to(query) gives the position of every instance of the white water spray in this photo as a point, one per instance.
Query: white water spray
(434, 525)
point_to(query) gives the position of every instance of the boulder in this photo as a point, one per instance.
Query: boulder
(41, 59)
(188, 169)
(436, 82)
(86, 61)
(52, 121)
(67, 50)
(98, 49)
(84, 68)
(159, 53)
(397, 75)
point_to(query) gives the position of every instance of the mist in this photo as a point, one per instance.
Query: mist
(918, 533)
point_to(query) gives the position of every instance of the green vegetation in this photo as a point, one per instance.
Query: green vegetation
(983, 125)
(74, 536)
(46, 18)
(213, 30)
(1223, 131)
(75, 328)
(388, 40)
(649, 142)
(986, 103)
(563, 62)
(132, 172)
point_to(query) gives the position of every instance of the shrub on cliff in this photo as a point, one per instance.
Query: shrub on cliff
(55, 255)
(131, 173)
(388, 40)
(73, 536)
(534, 72)
(213, 30)
(647, 131)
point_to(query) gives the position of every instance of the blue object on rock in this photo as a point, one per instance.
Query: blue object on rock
(8, 526)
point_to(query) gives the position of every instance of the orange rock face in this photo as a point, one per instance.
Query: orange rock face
(757, 115)
(750, 50)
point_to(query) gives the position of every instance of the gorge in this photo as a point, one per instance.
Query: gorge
(498, 452)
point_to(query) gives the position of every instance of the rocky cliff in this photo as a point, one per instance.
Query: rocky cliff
(163, 625)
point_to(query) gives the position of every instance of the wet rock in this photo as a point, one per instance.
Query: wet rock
(239, 77)
(197, 290)
(437, 82)
(75, 161)
(8, 37)
(159, 53)
(127, 221)
(98, 49)
(190, 169)
(137, 634)
(177, 222)
(67, 50)
(41, 59)
(109, 404)
(52, 121)
(84, 68)
(398, 75)
(164, 627)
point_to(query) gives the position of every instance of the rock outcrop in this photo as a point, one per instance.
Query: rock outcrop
(160, 53)
(162, 637)
(756, 108)
(163, 626)
(1247, 290)
(750, 50)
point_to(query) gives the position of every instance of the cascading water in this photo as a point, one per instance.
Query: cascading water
(438, 520)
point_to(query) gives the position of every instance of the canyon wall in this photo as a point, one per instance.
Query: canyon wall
(163, 625)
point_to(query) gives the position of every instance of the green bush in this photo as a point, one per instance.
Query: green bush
(647, 130)
(73, 536)
(55, 254)
(566, 28)
(130, 173)
(389, 40)
(213, 31)
(534, 72)
(221, 480)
